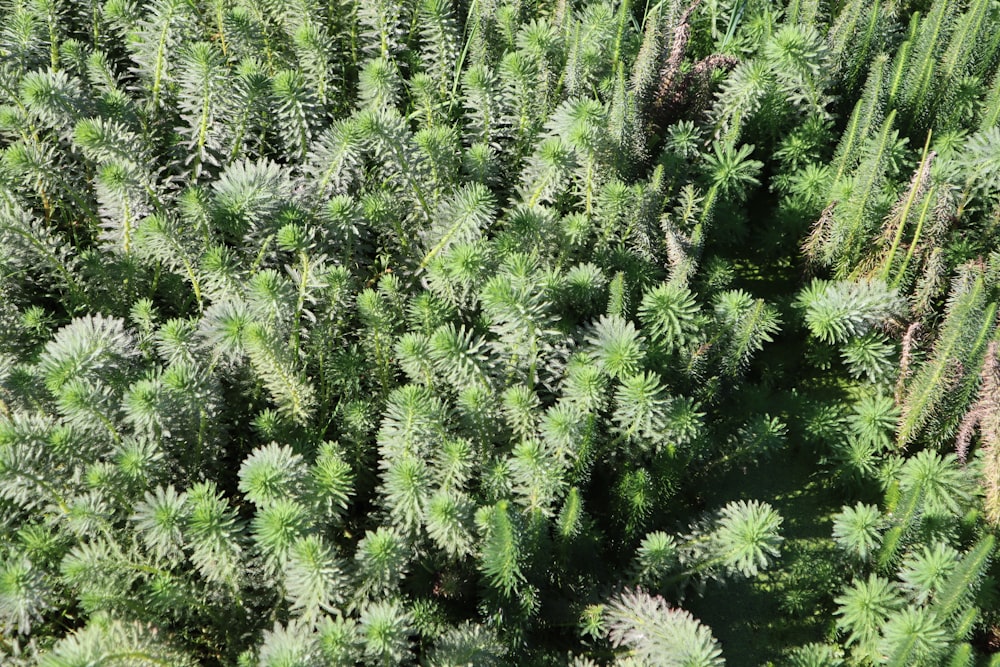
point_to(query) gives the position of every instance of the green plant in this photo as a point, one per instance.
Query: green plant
(427, 332)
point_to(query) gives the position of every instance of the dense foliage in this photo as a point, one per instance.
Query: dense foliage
(499, 333)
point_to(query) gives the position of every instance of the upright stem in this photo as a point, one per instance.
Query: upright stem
(624, 11)
(905, 213)
(916, 237)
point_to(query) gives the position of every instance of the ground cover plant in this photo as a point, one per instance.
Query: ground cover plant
(499, 333)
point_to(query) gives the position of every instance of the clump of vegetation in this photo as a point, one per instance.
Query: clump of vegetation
(499, 333)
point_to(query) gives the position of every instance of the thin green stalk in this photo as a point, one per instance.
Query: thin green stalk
(899, 71)
(936, 26)
(872, 169)
(905, 212)
(860, 57)
(300, 303)
(623, 10)
(460, 63)
(734, 20)
(928, 198)
(221, 26)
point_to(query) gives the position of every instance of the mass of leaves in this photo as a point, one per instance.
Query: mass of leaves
(446, 332)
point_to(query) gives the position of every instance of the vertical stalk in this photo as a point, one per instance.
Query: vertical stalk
(916, 237)
(300, 303)
(905, 213)
(624, 10)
